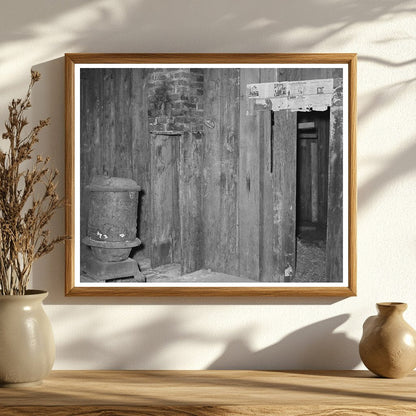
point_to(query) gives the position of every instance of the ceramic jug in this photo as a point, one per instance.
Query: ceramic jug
(388, 345)
(27, 347)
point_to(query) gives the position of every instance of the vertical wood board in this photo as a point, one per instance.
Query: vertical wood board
(303, 173)
(267, 234)
(229, 154)
(334, 240)
(314, 181)
(162, 195)
(108, 122)
(212, 168)
(284, 171)
(190, 201)
(220, 170)
(249, 181)
(84, 153)
(140, 154)
(123, 159)
(322, 127)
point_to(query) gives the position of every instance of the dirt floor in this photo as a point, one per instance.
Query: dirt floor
(310, 265)
(171, 273)
(310, 256)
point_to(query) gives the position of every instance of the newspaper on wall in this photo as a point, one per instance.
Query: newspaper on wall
(293, 95)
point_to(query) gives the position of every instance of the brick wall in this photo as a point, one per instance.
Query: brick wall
(175, 99)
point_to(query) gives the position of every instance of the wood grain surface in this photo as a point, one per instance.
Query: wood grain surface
(284, 194)
(249, 180)
(220, 170)
(203, 393)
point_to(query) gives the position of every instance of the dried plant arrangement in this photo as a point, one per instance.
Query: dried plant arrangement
(28, 199)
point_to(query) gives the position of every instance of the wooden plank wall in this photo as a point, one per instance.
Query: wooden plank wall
(267, 187)
(114, 133)
(230, 188)
(220, 170)
(267, 191)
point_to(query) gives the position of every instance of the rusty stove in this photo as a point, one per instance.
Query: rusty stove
(112, 228)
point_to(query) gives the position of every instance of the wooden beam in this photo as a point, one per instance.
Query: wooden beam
(307, 136)
(84, 151)
(306, 125)
(322, 129)
(314, 181)
(190, 162)
(220, 167)
(284, 194)
(229, 142)
(249, 183)
(141, 155)
(303, 184)
(109, 121)
(267, 262)
(123, 143)
(334, 239)
(211, 167)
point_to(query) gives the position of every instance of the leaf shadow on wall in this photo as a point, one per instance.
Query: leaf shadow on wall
(313, 347)
(151, 345)
(396, 167)
(143, 346)
(403, 162)
(106, 26)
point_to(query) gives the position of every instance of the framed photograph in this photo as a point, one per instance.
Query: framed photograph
(211, 174)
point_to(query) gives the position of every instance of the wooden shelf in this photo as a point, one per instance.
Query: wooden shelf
(203, 393)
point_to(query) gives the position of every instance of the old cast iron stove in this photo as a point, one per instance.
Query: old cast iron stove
(112, 228)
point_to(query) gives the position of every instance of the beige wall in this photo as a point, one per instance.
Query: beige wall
(194, 333)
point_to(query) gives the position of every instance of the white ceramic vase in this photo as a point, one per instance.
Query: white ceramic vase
(27, 347)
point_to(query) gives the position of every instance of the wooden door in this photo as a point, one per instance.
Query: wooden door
(164, 198)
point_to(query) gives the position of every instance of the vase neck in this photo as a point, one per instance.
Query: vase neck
(390, 308)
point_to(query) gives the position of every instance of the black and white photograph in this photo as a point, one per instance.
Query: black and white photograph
(211, 175)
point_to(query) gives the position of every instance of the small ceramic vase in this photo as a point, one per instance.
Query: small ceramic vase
(27, 347)
(388, 345)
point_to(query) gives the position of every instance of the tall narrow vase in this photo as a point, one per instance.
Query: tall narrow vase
(388, 345)
(27, 347)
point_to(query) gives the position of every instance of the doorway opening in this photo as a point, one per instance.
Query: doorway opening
(311, 195)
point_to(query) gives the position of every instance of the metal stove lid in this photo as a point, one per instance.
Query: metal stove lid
(102, 183)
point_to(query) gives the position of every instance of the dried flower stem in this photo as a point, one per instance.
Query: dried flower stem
(23, 237)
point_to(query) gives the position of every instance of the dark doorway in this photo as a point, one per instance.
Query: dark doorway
(312, 194)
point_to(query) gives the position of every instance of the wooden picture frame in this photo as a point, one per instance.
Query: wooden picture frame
(244, 160)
